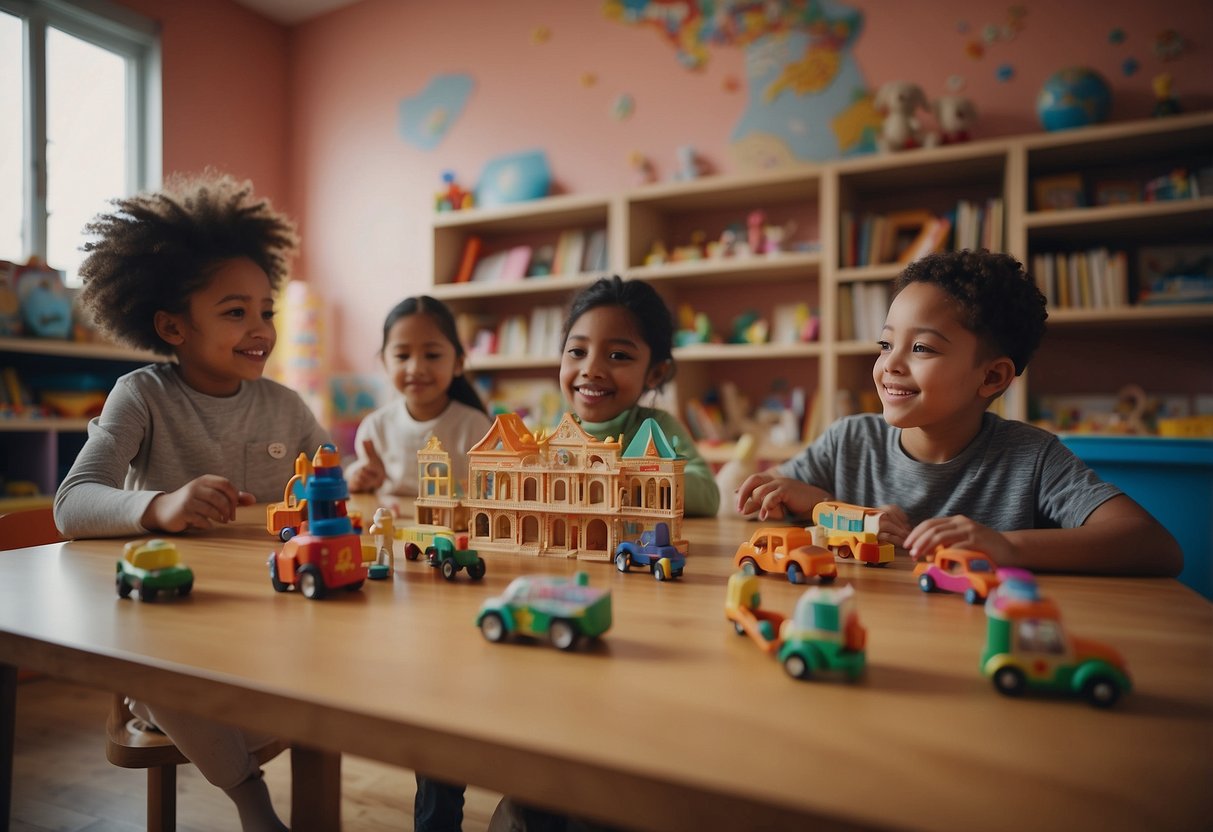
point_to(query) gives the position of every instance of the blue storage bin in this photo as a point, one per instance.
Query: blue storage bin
(1172, 479)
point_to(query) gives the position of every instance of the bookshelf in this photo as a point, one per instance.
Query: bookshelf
(36, 448)
(1156, 346)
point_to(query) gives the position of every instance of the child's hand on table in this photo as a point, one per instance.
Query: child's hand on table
(369, 473)
(198, 504)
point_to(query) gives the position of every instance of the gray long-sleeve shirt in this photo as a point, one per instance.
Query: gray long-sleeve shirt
(1011, 476)
(156, 433)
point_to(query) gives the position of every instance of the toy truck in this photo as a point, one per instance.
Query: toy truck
(823, 634)
(420, 537)
(1027, 648)
(447, 559)
(285, 519)
(328, 554)
(151, 567)
(851, 532)
(791, 550)
(958, 570)
(652, 551)
(565, 611)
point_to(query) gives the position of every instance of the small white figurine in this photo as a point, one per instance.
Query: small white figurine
(384, 531)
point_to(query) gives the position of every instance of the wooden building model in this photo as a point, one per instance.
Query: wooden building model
(561, 494)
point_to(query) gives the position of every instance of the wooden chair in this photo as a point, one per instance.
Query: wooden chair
(129, 741)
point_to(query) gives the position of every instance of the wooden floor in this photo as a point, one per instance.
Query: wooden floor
(62, 781)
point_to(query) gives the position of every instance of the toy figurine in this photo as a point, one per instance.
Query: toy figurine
(452, 197)
(754, 228)
(1027, 648)
(823, 634)
(151, 566)
(384, 531)
(642, 168)
(545, 605)
(1165, 102)
(955, 115)
(657, 254)
(897, 102)
(689, 165)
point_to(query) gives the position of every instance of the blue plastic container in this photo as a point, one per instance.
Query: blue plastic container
(1173, 480)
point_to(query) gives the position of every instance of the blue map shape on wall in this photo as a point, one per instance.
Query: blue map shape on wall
(426, 117)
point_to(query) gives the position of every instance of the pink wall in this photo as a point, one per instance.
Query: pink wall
(364, 195)
(225, 91)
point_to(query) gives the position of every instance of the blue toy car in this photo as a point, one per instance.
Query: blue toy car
(653, 551)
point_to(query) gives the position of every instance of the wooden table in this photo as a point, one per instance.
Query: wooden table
(673, 721)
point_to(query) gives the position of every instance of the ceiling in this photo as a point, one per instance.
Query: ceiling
(290, 12)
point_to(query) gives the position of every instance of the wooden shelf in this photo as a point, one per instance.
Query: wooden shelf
(76, 349)
(1193, 314)
(739, 352)
(28, 424)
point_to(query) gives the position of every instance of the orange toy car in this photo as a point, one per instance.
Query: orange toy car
(958, 570)
(792, 550)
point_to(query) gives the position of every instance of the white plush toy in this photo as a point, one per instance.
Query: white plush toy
(897, 102)
(955, 115)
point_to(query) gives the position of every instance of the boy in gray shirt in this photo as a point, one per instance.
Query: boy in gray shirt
(961, 327)
(190, 272)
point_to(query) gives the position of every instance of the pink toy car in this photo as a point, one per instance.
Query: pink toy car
(958, 570)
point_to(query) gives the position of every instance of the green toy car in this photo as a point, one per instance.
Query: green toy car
(444, 556)
(152, 566)
(545, 605)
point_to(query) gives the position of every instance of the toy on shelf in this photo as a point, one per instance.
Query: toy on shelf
(563, 611)
(443, 555)
(898, 102)
(851, 531)
(642, 168)
(1027, 649)
(693, 327)
(658, 255)
(327, 553)
(10, 302)
(653, 551)
(791, 550)
(958, 570)
(1165, 102)
(1073, 97)
(755, 225)
(823, 634)
(955, 115)
(750, 328)
(562, 493)
(152, 566)
(452, 197)
(690, 166)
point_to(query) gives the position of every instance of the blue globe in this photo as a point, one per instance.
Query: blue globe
(1073, 97)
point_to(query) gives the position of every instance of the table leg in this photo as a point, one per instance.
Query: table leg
(315, 789)
(8, 730)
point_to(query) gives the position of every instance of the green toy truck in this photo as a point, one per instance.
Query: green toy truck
(562, 610)
(443, 555)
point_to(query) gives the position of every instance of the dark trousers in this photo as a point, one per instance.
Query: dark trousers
(438, 807)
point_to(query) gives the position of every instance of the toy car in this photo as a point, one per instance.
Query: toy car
(445, 557)
(654, 551)
(545, 605)
(797, 552)
(823, 634)
(1027, 648)
(958, 570)
(419, 537)
(152, 566)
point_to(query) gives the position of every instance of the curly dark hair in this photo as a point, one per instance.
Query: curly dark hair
(998, 300)
(154, 250)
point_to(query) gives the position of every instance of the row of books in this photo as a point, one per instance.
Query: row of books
(862, 307)
(575, 251)
(905, 236)
(536, 334)
(1095, 279)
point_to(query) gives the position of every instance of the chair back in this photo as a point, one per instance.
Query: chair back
(32, 527)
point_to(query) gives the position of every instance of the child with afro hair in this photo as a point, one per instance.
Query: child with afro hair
(947, 472)
(190, 272)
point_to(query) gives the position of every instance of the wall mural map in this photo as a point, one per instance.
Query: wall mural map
(807, 99)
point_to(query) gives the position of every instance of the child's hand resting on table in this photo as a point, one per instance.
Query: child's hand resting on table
(198, 504)
(959, 532)
(368, 473)
(773, 497)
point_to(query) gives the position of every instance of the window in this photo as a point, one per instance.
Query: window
(79, 121)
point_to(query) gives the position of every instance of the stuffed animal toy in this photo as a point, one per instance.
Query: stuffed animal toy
(955, 115)
(897, 102)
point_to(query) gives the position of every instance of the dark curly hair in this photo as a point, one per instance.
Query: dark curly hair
(649, 311)
(998, 300)
(154, 250)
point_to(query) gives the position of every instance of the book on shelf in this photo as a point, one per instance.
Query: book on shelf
(846, 313)
(1093, 279)
(467, 262)
(933, 237)
(546, 327)
(516, 261)
(595, 251)
(570, 250)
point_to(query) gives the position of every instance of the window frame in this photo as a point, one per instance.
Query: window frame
(130, 35)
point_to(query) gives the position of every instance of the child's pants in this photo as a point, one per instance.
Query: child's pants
(223, 753)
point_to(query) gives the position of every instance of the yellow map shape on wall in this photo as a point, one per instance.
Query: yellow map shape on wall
(850, 124)
(811, 74)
